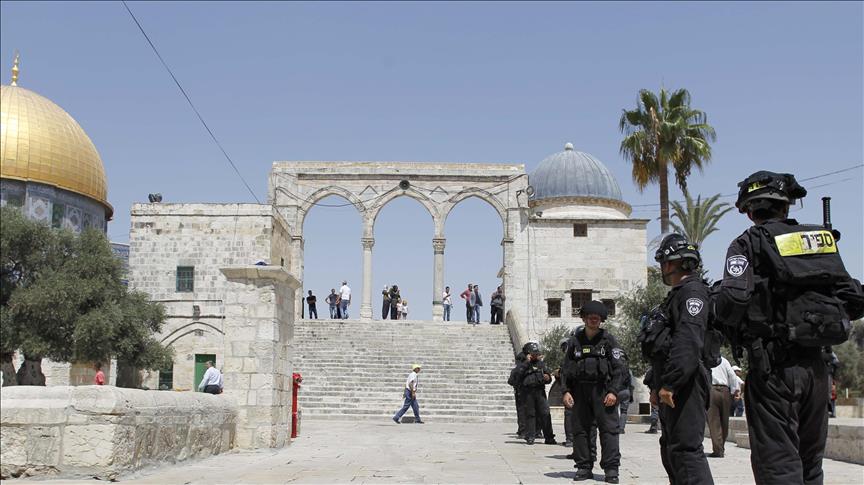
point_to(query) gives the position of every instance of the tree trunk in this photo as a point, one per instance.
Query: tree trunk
(664, 197)
(128, 376)
(30, 372)
(7, 367)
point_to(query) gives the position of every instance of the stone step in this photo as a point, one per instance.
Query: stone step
(408, 419)
(390, 411)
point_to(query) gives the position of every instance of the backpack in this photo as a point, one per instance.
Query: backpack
(800, 268)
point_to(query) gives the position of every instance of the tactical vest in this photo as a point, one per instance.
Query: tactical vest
(794, 299)
(591, 362)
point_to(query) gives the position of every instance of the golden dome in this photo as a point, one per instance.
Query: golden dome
(40, 142)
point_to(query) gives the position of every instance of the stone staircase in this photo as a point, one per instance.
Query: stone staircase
(357, 370)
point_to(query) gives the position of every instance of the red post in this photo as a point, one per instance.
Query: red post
(294, 408)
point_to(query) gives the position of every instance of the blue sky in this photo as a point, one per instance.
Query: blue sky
(457, 82)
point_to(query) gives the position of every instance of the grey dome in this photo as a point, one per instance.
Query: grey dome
(573, 174)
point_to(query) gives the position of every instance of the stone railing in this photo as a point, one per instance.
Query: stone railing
(517, 333)
(102, 431)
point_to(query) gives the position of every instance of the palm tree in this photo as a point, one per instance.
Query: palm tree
(698, 219)
(663, 132)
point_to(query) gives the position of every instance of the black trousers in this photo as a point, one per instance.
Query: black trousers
(683, 432)
(211, 389)
(469, 313)
(385, 309)
(588, 410)
(497, 315)
(520, 413)
(592, 435)
(537, 412)
(393, 315)
(787, 422)
(313, 311)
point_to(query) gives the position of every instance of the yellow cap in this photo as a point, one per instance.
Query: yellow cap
(415, 366)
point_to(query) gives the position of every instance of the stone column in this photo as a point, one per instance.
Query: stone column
(366, 303)
(259, 326)
(438, 244)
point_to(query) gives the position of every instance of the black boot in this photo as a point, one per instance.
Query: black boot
(583, 474)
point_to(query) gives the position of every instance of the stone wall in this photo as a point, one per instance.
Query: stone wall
(101, 431)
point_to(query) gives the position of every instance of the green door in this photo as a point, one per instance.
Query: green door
(200, 368)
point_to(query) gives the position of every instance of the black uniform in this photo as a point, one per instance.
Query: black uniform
(592, 369)
(516, 382)
(772, 303)
(681, 371)
(533, 393)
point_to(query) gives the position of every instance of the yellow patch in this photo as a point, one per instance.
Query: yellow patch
(754, 186)
(586, 350)
(806, 242)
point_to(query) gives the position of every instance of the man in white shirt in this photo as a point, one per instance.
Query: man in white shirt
(447, 301)
(724, 384)
(211, 381)
(411, 386)
(345, 296)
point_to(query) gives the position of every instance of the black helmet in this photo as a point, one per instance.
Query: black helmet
(594, 308)
(766, 187)
(531, 348)
(674, 247)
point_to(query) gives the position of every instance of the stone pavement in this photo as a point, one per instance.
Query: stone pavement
(335, 451)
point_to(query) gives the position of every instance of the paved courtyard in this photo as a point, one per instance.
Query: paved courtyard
(373, 452)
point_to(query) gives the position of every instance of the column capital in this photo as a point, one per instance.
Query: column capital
(438, 244)
(367, 242)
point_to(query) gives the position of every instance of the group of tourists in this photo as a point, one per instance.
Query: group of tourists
(474, 302)
(338, 302)
(393, 304)
(785, 299)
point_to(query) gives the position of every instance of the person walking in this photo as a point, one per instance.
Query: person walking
(395, 297)
(412, 385)
(404, 312)
(332, 300)
(533, 377)
(724, 383)
(210, 381)
(678, 378)
(496, 302)
(311, 301)
(385, 306)
(594, 373)
(99, 378)
(468, 296)
(344, 299)
(478, 302)
(447, 301)
(785, 295)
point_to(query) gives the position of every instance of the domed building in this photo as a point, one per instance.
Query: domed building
(49, 167)
(581, 241)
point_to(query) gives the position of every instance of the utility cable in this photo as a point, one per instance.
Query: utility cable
(189, 100)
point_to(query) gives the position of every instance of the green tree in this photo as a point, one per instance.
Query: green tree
(698, 219)
(63, 298)
(550, 342)
(661, 133)
(632, 306)
(850, 373)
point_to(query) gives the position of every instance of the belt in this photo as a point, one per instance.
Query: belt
(720, 385)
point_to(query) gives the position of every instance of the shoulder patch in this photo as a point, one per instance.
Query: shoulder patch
(736, 265)
(694, 306)
(617, 353)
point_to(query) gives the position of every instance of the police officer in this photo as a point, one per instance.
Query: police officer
(516, 383)
(678, 379)
(785, 295)
(594, 369)
(533, 376)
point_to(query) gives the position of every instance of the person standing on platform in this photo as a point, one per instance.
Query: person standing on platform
(496, 302)
(412, 385)
(404, 311)
(447, 301)
(395, 297)
(385, 306)
(724, 384)
(468, 296)
(344, 299)
(332, 301)
(311, 300)
(478, 302)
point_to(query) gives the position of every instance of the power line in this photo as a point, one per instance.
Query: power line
(735, 194)
(189, 100)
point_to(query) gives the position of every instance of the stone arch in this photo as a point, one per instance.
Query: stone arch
(448, 206)
(184, 330)
(424, 200)
(307, 203)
